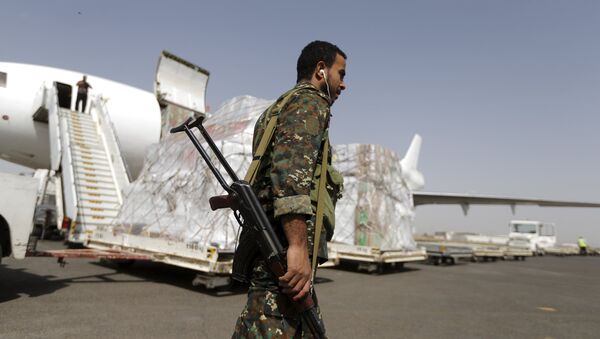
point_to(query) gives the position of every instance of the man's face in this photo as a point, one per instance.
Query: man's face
(335, 78)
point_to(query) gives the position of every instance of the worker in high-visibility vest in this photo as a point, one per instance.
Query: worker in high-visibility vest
(582, 246)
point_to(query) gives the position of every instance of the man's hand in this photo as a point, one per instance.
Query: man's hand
(296, 281)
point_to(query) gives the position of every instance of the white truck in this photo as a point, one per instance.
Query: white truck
(539, 235)
(18, 195)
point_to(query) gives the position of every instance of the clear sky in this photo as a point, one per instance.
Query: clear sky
(506, 94)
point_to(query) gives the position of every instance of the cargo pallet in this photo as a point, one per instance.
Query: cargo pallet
(371, 259)
(213, 267)
(439, 253)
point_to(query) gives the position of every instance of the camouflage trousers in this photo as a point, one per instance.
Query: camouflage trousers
(268, 312)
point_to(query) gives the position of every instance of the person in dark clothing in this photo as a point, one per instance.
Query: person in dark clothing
(82, 92)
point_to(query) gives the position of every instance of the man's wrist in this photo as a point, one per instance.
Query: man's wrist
(295, 229)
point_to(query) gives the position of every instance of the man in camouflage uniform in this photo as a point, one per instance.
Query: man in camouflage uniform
(283, 185)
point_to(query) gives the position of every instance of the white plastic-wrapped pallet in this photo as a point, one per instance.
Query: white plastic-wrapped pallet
(169, 200)
(377, 208)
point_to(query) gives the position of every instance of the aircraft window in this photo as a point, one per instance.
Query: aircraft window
(2, 79)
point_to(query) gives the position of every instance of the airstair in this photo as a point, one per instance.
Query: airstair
(85, 154)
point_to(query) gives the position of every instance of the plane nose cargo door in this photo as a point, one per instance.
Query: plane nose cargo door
(180, 88)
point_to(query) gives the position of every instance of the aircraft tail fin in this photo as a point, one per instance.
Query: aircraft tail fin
(412, 176)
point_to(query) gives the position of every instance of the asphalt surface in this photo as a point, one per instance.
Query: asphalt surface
(543, 297)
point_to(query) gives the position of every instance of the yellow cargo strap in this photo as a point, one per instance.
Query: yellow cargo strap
(320, 206)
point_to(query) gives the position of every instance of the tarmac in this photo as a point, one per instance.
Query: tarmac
(542, 297)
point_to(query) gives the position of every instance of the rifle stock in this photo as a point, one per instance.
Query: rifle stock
(255, 224)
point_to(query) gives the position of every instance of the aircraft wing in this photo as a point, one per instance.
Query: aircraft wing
(432, 198)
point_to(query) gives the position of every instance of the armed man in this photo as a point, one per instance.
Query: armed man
(291, 152)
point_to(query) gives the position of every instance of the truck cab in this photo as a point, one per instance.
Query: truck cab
(540, 235)
(18, 195)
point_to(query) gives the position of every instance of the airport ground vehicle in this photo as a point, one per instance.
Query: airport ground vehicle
(480, 247)
(493, 247)
(562, 250)
(439, 253)
(371, 259)
(540, 235)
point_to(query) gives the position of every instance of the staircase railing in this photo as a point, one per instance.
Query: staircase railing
(60, 151)
(119, 168)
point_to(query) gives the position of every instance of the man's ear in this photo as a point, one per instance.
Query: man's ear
(320, 66)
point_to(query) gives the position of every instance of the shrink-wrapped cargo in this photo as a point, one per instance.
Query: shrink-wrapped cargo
(169, 200)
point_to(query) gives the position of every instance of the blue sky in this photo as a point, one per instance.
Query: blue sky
(506, 94)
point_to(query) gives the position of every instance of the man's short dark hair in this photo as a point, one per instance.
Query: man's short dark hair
(313, 53)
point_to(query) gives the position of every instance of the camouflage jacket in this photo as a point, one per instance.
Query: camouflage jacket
(285, 176)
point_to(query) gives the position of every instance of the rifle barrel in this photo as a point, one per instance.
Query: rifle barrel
(185, 128)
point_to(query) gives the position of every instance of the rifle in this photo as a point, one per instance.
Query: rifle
(250, 215)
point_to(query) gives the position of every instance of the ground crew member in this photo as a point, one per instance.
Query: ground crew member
(82, 92)
(582, 246)
(283, 184)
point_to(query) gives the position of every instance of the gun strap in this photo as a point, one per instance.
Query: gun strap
(265, 139)
(320, 206)
(260, 150)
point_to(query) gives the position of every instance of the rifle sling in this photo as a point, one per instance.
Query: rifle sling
(320, 206)
(260, 150)
(265, 139)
